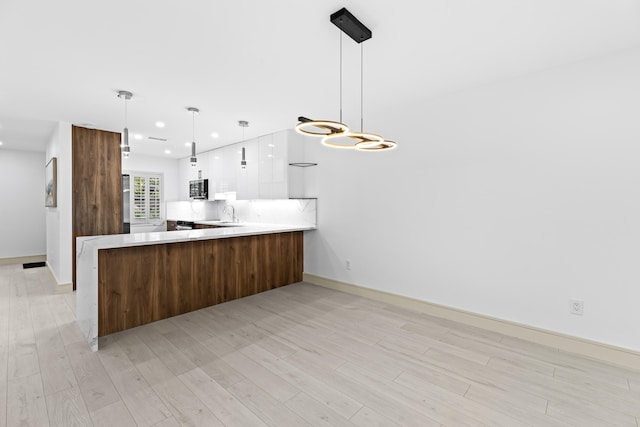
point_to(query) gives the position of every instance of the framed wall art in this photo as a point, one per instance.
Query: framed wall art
(51, 185)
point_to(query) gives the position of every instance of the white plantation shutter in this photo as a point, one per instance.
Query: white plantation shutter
(147, 198)
(155, 211)
(139, 198)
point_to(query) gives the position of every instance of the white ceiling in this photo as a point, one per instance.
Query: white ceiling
(270, 61)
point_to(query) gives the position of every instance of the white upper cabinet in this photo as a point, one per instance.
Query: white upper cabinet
(267, 174)
(248, 185)
(224, 161)
(273, 166)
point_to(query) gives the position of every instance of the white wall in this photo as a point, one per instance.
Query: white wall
(505, 200)
(22, 211)
(58, 219)
(168, 167)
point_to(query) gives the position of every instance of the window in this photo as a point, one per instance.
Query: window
(147, 198)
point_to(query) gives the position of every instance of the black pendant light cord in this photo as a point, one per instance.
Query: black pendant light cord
(340, 76)
(361, 88)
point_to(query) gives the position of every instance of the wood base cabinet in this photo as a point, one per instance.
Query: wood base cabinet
(142, 284)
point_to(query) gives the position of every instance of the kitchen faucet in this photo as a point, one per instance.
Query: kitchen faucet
(234, 218)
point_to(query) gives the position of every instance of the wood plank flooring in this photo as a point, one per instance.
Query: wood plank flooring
(300, 355)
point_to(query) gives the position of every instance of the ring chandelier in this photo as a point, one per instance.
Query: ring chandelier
(337, 134)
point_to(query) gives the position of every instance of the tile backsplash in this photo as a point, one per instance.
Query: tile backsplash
(277, 211)
(195, 210)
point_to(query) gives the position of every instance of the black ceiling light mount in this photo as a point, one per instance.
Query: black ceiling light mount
(350, 25)
(337, 134)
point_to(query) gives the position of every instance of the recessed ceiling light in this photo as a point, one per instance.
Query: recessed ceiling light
(271, 145)
(187, 144)
(1, 142)
(217, 157)
(137, 136)
(215, 135)
(160, 124)
(167, 151)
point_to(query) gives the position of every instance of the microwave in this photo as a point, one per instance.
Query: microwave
(199, 189)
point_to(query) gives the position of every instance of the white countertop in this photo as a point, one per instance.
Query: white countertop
(228, 230)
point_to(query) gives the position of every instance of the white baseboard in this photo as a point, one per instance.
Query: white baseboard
(593, 349)
(59, 288)
(23, 259)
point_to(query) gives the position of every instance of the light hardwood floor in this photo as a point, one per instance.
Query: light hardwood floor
(296, 356)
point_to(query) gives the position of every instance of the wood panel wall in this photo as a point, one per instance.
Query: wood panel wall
(96, 185)
(142, 284)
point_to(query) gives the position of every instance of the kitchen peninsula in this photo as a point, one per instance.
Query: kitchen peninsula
(127, 280)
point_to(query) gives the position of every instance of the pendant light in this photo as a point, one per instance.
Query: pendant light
(243, 124)
(337, 134)
(124, 147)
(194, 159)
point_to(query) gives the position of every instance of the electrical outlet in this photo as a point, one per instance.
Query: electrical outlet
(347, 264)
(576, 307)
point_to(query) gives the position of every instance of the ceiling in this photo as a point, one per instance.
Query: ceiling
(269, 62)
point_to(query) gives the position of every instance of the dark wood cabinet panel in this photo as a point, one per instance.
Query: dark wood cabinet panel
(142, 284)
(201, 226)
(96, 184)
(129, 287)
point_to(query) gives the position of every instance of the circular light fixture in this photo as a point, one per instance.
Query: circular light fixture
(1, 142)
(159, 124)
(137, 136)
(337, 134)
(376, 146)
(215, 135)
(167, 151)
(321, 128)
(351, 139)
(187, 144)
